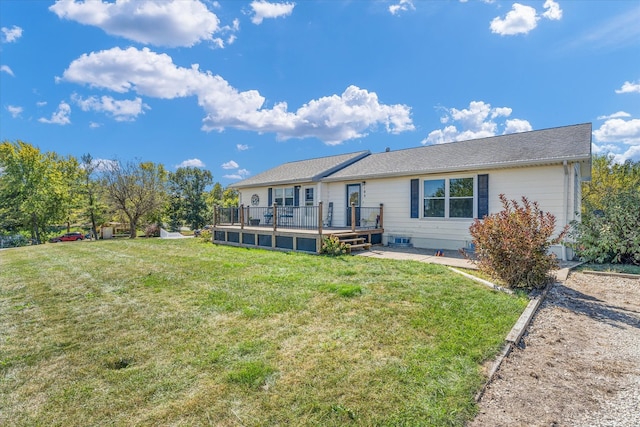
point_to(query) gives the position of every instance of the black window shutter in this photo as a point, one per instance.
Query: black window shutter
(296, 195)
(269, 196)
(483, 196)
(415, 196)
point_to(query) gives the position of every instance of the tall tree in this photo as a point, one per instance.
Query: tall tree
(607, 179)
(94, 209)
(135, 190)
(187, 191)
(230, 197)
(36, 189)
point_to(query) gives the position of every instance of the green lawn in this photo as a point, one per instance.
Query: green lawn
(611, 268)
(180, 332)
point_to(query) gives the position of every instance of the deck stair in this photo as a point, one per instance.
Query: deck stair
(355, 242)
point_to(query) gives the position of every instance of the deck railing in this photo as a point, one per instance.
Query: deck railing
(366, 217)
(299, 217)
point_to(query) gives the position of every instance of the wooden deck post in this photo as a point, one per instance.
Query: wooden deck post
(381, 215)
(275, 217)
(320, 218)
(242, 217)
(353, 217)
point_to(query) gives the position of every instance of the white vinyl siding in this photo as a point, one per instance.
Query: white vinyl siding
(261, 192)
(543, 184)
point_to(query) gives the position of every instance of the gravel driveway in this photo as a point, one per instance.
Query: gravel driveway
(578, 364)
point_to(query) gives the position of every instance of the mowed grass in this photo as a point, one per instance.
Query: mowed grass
(179, 332)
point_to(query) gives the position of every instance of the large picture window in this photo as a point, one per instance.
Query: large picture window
(448, 198)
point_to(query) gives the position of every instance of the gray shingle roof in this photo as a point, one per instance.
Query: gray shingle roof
(571, 143)
(302, 171)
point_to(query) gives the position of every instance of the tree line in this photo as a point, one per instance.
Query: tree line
(42, 191)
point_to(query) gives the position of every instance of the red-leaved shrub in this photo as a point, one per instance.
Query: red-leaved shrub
(513, 245)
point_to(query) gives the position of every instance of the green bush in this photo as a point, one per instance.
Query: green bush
(152, 230)
(205, 235)
(513, 245)
(13, 241)
(610, 234)
(333, 246)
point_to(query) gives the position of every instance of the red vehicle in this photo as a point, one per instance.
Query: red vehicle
(68, 237)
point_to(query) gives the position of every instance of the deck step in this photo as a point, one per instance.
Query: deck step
(354, 240)
(341, 234)
(365, 246)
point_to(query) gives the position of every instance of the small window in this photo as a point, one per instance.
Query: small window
(288, 196)
(278, 197)
(434, 198)
(461, 198)
(308, 197)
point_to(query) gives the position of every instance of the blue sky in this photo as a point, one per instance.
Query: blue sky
(238, 87)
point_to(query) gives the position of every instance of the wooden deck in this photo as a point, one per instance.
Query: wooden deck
(293, 239)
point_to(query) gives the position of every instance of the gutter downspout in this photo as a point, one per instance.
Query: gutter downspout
(566, 205)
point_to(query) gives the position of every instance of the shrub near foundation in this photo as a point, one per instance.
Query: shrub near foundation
(513, 245)
(610, 234)
(334, 247)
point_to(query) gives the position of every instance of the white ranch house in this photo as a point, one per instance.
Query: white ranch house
(426, 197)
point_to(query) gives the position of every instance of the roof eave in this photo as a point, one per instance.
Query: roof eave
(502, 165)
(272, 183)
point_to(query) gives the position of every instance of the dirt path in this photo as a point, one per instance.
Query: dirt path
(579, 363)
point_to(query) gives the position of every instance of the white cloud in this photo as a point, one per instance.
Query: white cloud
(59, 117)
(616, 135)
(235, 27)
(6, 69)
(10, 35)
(478, 121)
(633, 154)
(501, 112)
(604, 148)
(553, 11)
(159, 22)
(615, 115)
(619, 130)
(94, 125)
(242, 147)
(102, 165)
(401, 6)
(14, 111)
(193, 163)
(516, 126)
(264, 9)
(332, 119)
(240, 174)
(629, 87)
(229, 165)
(522, 19)
(41, 103)
(125, 110)
(519, 20)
